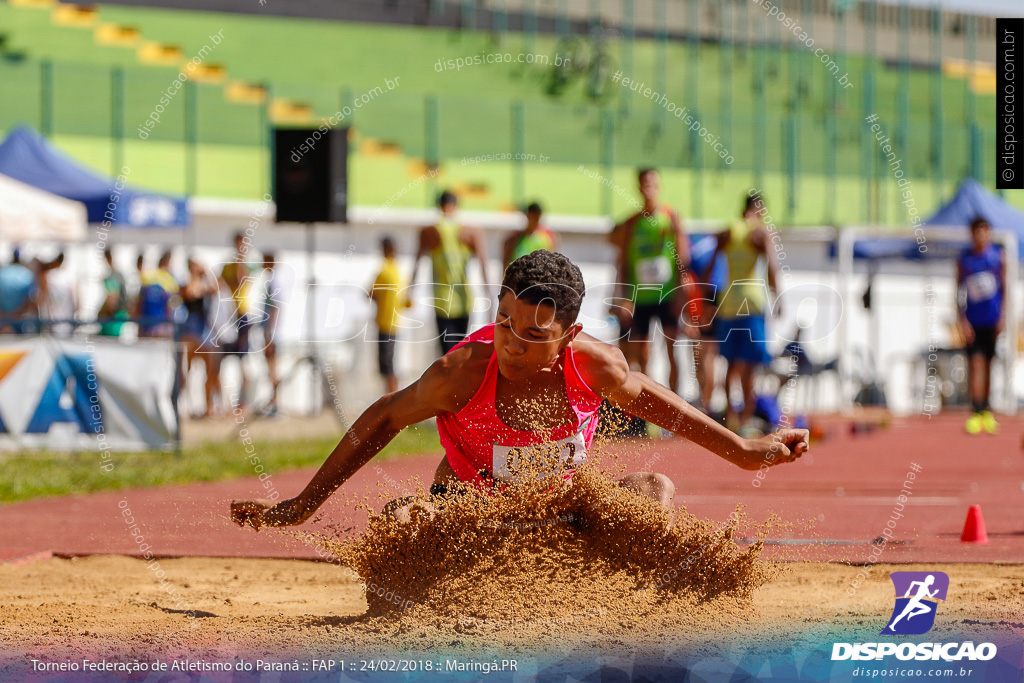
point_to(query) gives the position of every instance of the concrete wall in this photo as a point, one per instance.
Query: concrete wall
(745, 20)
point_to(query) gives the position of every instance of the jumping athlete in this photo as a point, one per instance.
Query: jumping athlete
(531, 380)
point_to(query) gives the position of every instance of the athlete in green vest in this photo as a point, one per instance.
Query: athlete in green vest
(450, 246)
(653, 254)
(531, 238)
(740, 320)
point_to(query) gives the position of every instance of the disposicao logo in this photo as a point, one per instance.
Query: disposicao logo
(917, 599)
(947, 652)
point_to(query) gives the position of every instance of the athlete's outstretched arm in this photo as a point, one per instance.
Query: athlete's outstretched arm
(423, 246)
(508, 248)
(721, 242)
(682, 247)
(479, 246)
(374, 429)
(639, 395)
(619, 238)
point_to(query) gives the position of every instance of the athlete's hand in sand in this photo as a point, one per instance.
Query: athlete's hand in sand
(785, 445)
(257, 513)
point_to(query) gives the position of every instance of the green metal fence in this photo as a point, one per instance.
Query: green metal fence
(788, 125)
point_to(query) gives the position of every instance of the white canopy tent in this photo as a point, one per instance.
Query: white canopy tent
(30, 214)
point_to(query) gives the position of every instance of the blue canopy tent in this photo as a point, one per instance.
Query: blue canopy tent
(971, 200)
(29, 157)
(941, 238)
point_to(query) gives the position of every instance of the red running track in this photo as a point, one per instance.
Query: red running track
(840, 496)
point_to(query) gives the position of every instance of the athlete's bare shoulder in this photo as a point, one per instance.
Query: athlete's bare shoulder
(452, 380)
(469, 233)
(429, 236)
(622, 233)
(759, 237)
(601, 365)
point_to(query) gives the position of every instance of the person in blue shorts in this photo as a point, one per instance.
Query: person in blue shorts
(981, 287)
(740, 320)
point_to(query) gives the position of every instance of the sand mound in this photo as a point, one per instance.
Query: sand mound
(552, 552)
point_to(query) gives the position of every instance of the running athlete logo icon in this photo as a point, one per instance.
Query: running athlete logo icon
(914, 612)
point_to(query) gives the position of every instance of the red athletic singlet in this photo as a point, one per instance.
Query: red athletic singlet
(478, 444)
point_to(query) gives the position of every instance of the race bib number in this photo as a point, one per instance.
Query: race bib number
(512, 463)
(656, 270)
(981, 286)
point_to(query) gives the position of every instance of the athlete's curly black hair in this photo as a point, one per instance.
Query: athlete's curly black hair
(544, 276)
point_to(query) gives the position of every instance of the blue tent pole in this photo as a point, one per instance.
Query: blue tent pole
(970, 114)
(518, 116)
(190, 137)
(117, 117)
(530, 26)
(903, 99)
(46, 97)
(693, 101)
(867, 143)
(935, 90)
(607, 155)
(628, 34)
(267, 131)
(759, 58)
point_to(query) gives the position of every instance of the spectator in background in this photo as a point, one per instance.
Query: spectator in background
(58, 301)
(18, 292)
(159, 299)
(140, 265)
(653, 255)
(713, 271)
(387, 294)
(270, 318)
(981, 286)
(235, 276)
(531, 238)
(740, 321)
(450, 247)
(219, 342)
(115, 302)
(196, 293)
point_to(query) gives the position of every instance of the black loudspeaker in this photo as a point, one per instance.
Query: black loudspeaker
(311, 175)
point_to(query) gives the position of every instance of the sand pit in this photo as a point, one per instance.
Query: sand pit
(541, 574)
(111, 605)
(551, 549)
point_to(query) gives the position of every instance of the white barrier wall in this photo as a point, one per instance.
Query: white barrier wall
(97, 395)
(347, 258)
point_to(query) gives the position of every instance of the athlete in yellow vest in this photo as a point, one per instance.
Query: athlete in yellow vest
(450, 246)
(531, 238)
(390, 299)
(653, 254)
(740, 321)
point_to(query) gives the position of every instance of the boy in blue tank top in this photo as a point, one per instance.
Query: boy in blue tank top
(981, 285)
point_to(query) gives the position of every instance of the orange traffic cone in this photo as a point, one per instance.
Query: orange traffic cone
(974, 527)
